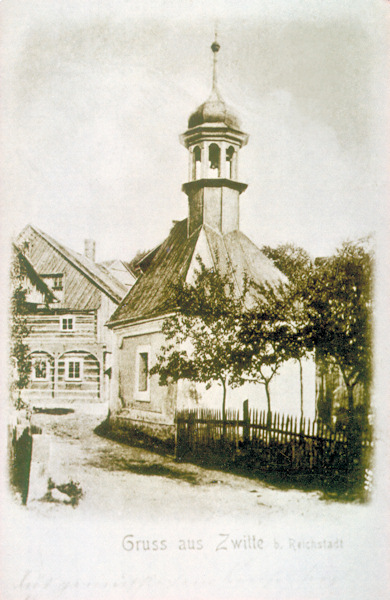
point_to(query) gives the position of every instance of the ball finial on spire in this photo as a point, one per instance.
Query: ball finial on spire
(215, 46)
(214, 110)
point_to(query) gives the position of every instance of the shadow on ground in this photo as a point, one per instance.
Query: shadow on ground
(142, 467)
(334, 486)
(136, 439)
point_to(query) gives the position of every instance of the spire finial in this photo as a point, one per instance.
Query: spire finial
(215, 48)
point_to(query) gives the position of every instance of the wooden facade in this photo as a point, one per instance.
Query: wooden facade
(70, 346)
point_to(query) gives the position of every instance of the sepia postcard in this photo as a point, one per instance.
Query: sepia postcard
(195, 300)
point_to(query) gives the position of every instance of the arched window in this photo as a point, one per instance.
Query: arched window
(229, 162)
(197, 164)
(214, 160)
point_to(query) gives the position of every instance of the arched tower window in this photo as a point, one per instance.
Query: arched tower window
(214, 161)
(229, 162)
(196, 164)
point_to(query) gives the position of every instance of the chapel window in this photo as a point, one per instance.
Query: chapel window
(214, 160)
(229, 162)
(197, 164)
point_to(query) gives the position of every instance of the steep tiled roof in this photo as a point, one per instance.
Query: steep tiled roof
(151, 295)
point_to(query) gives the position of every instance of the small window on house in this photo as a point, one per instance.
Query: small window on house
(74, 369)
(40, 369)
(142, 384)
(57, 283)
(143, 372)
(67, 323)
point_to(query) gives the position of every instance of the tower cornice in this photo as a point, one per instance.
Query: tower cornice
(213, 131)
(193, 186)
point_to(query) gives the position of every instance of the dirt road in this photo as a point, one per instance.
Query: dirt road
(119, 480)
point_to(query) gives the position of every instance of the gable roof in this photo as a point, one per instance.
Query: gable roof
(96, 274)
(152, 294)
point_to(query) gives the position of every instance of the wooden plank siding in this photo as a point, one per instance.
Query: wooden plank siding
(47, 327)
(88, 389)
(58, 388)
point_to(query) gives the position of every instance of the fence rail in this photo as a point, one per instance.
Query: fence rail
(268, 441)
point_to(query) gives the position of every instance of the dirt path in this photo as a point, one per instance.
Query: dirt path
(118, 480)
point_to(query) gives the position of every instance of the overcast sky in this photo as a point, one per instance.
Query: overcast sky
(96, 94)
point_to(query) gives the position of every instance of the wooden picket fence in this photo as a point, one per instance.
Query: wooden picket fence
(260, 441)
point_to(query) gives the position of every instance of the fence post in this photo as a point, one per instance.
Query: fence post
(246, 428)
(191, 430)
(176, 421)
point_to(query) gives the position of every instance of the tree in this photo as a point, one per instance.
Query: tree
(201, 336)
(19, 330)
(338, 301)
(296, 264)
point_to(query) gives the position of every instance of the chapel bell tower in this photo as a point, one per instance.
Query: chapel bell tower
(214, 139)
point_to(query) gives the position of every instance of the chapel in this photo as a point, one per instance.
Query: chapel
(214, 138)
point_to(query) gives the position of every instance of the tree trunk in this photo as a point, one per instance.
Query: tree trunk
(224, 408)
(301, 384)
(269, 415)
(354, 433)
(350, 400)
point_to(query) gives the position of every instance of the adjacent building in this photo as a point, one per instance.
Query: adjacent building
(70, 298)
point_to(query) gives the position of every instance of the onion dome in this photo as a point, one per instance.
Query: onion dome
(214, 110)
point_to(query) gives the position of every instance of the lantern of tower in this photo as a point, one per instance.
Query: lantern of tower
(213, 139)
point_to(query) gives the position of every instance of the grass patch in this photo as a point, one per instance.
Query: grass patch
(71, 490)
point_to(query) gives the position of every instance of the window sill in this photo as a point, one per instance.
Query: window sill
(140, 398)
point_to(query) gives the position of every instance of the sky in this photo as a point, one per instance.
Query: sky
(96, 94)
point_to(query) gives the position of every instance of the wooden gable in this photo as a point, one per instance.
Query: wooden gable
(79, 292)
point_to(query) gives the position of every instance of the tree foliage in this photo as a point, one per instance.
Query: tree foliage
(19, 330)
(291, 260)
(338, 302)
